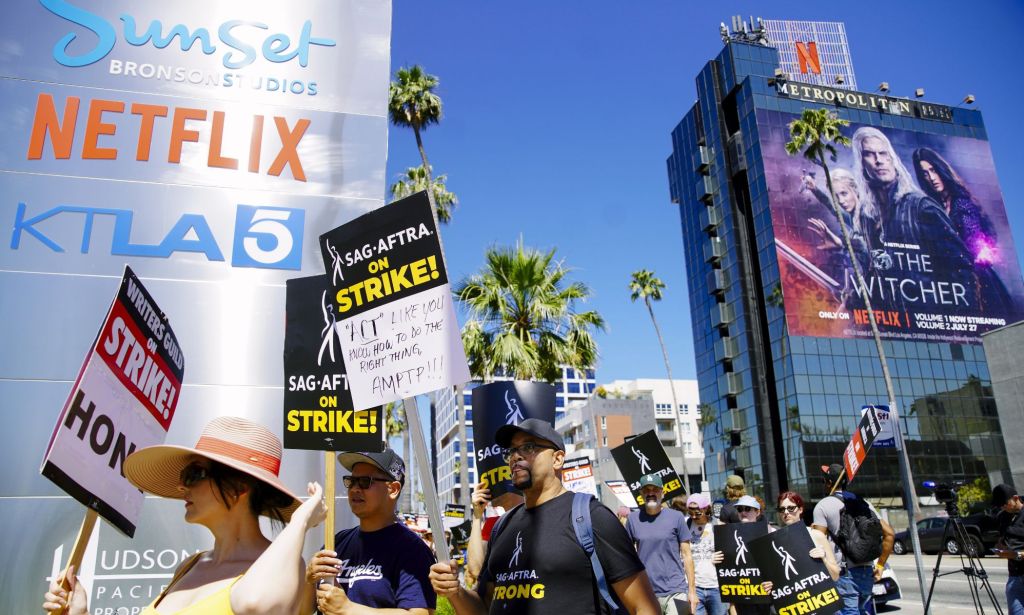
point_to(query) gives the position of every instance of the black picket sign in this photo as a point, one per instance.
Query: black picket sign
(644, 455)
(739, 577)
(318, 413)
(800, 583)
(505, 403)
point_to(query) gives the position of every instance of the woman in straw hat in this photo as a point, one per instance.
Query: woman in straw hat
(227, 481)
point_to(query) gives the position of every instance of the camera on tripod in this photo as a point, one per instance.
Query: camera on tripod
(946, 493)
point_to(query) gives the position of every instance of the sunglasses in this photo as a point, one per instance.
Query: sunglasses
(746, 509)
(694, 512)
(788, 509)
(363, 482)
(193, 473)
(524, 450)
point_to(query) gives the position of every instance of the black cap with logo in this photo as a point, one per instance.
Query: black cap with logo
(535, 427)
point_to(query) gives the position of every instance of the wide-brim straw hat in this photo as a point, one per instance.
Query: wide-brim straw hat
(235, 442)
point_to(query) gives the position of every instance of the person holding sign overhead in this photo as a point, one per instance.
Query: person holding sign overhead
(379, 564)
(228, 480)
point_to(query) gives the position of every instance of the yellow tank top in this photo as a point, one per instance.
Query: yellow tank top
(217, 603)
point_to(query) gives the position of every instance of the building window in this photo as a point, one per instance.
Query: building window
(604, 423)
(604, 440)
(590, 374)
(573, 387)
(570, 373)
(686, 408)
(687, 447)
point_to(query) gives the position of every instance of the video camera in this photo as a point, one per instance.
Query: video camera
(946, 493)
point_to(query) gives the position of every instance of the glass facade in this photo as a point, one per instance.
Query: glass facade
(777, 406)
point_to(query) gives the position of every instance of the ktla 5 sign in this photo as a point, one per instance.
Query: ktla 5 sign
(264, 237)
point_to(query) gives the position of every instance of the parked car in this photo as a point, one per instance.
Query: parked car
(982, 535)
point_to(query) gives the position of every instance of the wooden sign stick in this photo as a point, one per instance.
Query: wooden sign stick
(329, 495)
(81, 542)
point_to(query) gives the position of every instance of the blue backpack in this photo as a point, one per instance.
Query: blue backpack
(585, 537)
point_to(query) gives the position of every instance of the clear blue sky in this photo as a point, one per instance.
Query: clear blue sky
(558, 114)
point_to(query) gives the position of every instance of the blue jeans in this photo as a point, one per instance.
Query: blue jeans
(854, 587)
(1014, 595)
(709, 602)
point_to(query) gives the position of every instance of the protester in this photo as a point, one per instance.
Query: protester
(791, 511)
(480, 530)
(734, 490)
(1011, 544)
(534, 563)
(663, 543)
(228, 480)
(857, 578)
(702, 541)
(381, 563)
(748, 509)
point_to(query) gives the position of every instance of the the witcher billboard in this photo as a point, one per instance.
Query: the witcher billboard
(927, 225)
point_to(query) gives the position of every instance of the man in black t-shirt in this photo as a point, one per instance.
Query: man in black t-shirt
(534, 563)
(1011, 544)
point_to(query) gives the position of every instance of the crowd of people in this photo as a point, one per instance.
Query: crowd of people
(548, 550)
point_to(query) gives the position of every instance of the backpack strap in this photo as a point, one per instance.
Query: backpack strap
(585, 536)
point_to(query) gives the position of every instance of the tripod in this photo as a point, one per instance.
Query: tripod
(970, 563)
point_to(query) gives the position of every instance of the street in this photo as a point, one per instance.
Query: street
(952, 593)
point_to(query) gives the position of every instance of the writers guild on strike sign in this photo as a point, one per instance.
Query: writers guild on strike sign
(800, 583)
(123, 399)
(318, 411)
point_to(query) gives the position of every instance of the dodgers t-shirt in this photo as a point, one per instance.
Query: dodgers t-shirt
(537, 566)
(388, 568)
(657, 540)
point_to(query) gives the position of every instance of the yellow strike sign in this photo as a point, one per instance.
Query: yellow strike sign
(333, 421)
(387, 283)
(754, 589)
(812, 603)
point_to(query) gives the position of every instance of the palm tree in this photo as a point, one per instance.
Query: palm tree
(413, 103)
(523, 316)
(815, 135)
(645, 285)
(416, 179)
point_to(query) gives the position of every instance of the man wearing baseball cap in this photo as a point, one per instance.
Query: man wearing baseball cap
(534, 563)
(663, 543)
(734, 490)
(1011, 544)
(381, 563)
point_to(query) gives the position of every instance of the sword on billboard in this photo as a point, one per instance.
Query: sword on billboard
(806, 267)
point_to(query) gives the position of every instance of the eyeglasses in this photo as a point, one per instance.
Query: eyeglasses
(694, 512)
(193, 473)
(746, 509)
(525, 450)
(788, 509)
(363, 482)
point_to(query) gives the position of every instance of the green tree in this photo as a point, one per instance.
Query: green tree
(412, 103)
(523, 316)
(974, 496)
(646, 286)
(416, 179)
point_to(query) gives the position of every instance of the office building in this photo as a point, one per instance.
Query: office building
(784, 354)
